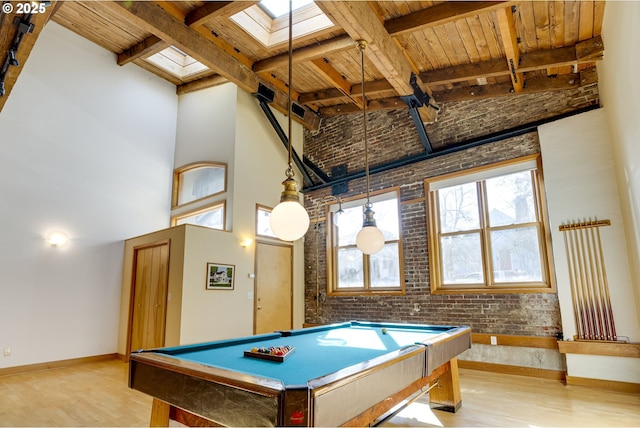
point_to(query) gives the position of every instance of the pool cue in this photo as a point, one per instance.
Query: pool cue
(599, 334)
(581, 309)
(614, 337)
(585, 287)
(572, 282)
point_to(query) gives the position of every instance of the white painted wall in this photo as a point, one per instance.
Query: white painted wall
(620, 94)
(87, 147)
(261, 162)
(226, 124)
(580, 183)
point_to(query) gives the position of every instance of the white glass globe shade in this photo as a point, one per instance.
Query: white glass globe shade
(289, 220)
(370, 240)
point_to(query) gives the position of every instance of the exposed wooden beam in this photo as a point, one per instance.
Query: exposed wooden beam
(8, 31)
(507, 27)
(535, 85)
(370, 88)
(380, 104)
(334, 78)
(464, 72)
(440, 14)
(204, 83)
(566, 81)
(306, 53)
(360, 22)
(147, 47)
(205, 12)
(584, 52)
(157, 21)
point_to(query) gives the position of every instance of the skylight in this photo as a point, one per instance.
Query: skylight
(176, 62)
(277, 8)
(267, 22)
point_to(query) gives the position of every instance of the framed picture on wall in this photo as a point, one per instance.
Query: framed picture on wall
(220, 277)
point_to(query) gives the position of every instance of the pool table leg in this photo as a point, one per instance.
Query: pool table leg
(159, 413)
(446, 396)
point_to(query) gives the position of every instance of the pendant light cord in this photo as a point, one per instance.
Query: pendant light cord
(290, 172)
(361, 46)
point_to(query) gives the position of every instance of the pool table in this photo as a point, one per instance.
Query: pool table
(340, 374)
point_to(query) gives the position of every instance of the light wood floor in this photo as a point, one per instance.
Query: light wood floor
(96, 394)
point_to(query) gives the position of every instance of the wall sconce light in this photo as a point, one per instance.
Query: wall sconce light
(57, 239)
(246, 242)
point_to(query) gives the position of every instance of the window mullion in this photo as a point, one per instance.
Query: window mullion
(485, 235)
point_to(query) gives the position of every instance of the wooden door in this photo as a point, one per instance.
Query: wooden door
(273, 308)
(149, 296)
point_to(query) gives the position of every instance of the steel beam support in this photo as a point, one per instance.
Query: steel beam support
(265, 96)
(491, 138)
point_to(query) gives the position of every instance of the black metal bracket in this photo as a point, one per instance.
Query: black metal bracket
(414, 101)
(265, 96)
(24, 27)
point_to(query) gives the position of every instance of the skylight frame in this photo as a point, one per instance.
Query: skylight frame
(277, 8)
(177, 63)
(260, 25)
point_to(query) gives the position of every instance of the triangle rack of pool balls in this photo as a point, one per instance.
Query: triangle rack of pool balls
(272, 353)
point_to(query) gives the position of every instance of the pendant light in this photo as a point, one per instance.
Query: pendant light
(370, 239)
(289, 220)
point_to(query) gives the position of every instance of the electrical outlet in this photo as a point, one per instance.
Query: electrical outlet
(494, 340)
(7, 352)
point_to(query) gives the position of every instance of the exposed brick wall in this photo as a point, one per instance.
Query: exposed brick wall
(392, 135)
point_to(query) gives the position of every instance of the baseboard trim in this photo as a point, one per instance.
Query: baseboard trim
(55, 364)
(513, 370)
(611, 385)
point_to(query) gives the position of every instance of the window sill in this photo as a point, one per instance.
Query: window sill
(494, 290)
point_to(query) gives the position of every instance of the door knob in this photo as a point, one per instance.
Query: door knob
(259, 307)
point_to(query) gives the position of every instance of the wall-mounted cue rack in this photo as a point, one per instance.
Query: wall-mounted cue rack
(588, 278)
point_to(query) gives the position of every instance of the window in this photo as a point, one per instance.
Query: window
(176, 62)
(351, 271)
(212, 216)
(488, 230)
(199, 192)
(262, 222)
(268, 21)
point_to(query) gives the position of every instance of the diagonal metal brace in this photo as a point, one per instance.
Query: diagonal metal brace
(265, 96)
(416, 100)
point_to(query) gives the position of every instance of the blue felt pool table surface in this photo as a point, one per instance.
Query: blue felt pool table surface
(318, 351)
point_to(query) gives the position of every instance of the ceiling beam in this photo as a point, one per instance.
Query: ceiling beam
(360, 22)
(507, 26)
(584, 52)
(157, 21)
(205, 12)
(477, 92)
(440, 14)
(8, 31)
(145, 48)
(203, 83)
(307, 53)
(331, 75)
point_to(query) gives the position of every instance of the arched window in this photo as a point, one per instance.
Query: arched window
(199, 195)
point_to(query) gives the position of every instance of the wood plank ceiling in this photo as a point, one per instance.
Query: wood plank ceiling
(454, 50)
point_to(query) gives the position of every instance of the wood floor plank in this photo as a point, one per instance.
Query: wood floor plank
(96, 394)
